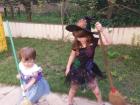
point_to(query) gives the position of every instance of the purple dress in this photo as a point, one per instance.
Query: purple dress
(39, 88)
(82, 69)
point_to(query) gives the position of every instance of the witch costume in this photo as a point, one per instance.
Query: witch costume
(83, 69)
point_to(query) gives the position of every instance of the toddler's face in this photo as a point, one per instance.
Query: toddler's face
(27, 63)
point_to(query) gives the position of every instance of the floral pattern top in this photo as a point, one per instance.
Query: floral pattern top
(28, 74)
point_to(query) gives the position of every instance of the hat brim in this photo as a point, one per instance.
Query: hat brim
(73, 28)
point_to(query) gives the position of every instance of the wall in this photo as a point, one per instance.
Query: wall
(124, 35)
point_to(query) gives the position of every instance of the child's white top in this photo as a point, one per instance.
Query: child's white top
(29, 71)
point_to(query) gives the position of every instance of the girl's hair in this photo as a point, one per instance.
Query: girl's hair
(76, 44)
(27, 53)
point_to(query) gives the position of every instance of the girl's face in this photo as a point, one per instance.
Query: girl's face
(27, 63)
(82, 40)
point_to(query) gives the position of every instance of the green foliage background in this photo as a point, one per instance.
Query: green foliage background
(121, 16)
(124, 12)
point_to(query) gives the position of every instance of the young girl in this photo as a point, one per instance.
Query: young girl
(80, 66)
(34, 84)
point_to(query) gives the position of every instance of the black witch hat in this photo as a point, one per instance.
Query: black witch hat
(73, 28)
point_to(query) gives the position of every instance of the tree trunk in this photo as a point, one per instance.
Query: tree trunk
(62, 18)
(18, 12)
(12, 10)
(110, 9)
(29, 13)
(65, 6)
(5, 12)
(110, 12)
(27, 5)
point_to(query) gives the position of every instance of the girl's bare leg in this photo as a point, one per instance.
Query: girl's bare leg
(72, 92)
(95, 89)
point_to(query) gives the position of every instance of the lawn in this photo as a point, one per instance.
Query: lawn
(53, 55)
(53, 18)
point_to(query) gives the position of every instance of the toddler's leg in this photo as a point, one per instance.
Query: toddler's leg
(95, 89)
(72, 92)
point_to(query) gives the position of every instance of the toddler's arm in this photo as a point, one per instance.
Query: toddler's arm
(31, 82)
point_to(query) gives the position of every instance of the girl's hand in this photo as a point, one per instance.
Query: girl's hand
(67, 71)
(104, 33)
(99, 26)
(18, 76)
(29, 84)
(71, 59)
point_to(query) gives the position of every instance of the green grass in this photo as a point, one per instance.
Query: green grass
(53, 18)
(53, 55)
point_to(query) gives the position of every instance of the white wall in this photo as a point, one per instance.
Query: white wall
(34, 30)
(52, 31)
(125, 35)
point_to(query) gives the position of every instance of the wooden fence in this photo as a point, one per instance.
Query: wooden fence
(123, 35)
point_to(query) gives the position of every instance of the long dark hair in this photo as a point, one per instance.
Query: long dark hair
(76, 44)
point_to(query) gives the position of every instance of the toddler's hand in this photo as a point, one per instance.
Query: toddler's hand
(18, 76)
(23, 88)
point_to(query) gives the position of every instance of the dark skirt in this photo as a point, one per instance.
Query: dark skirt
(83, 76)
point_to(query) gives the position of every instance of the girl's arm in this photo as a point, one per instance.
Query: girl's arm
(70, 60)
(104, 33)
(31, 82)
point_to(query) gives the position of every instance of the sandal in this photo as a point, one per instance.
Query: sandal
(102, 104)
